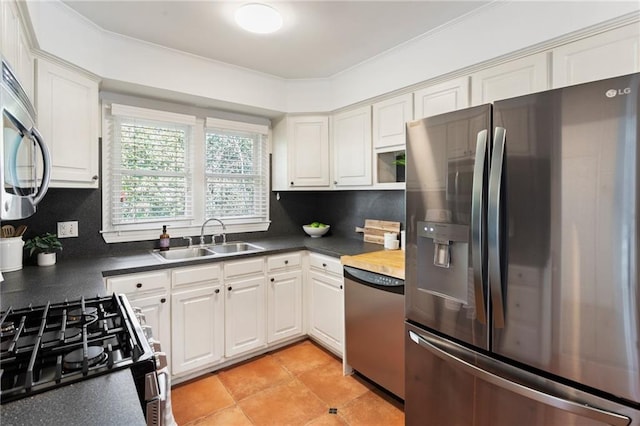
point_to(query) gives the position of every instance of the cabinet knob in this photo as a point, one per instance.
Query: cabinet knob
(291, 183)
(324, 265)
(139, 285)
(272, 279)
(286, 262)
(335, 182)
(340, 287)
(94, 177)
(217, 290)
(229, 288)
(163, 300)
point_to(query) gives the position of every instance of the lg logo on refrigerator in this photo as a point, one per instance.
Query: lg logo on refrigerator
(612, 93)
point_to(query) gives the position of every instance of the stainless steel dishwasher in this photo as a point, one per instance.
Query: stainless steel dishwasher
(374, 327)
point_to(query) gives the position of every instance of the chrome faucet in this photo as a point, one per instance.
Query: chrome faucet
(213, 237)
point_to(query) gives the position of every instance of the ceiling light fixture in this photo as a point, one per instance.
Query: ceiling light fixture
(258, 18)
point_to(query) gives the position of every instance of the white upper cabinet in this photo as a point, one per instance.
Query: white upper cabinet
(440, 98)
(389, 118)
(15, 46)
(301, 153)
(510, 79)
(609, 54)
(10, 32)
(352, 147)
(68, 117)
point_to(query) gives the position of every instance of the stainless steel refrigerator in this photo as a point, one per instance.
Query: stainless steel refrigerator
(523, 247)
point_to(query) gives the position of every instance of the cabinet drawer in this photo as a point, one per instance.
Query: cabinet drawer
(241, 268)
(139, 283)
(284, 262)
(208, 273)
(325, 263)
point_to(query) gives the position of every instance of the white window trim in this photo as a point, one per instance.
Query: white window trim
(147, 232)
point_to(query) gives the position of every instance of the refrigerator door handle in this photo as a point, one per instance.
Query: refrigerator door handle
(584, 410)
(477, 225)
(493, 227)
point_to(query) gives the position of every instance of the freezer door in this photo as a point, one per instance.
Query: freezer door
(449, 384)
(447, 169)
(569, 265)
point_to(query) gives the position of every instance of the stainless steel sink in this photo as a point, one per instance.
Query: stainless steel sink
(184, 253)
(235, 247)
(187, 253)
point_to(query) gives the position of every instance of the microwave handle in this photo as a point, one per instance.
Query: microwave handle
(46, 166)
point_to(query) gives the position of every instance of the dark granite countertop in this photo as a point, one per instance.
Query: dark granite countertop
(112, 399)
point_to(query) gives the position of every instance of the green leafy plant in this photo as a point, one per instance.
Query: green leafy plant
(45, 243)
(400, 160)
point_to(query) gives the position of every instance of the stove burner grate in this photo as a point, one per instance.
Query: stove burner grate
(75, 360)
(49, 346)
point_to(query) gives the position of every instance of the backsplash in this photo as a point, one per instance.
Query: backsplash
(343, 210)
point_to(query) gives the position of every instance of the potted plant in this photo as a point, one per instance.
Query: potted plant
(400, 163)
(45, 245)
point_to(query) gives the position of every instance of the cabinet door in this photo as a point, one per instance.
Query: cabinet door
(68, 112)
(284, 306)
(245, 325)
(308, 145)
(352, 147)
(605, 55)
(10, 33)
(157, 310)
(197, 326)
(326, 310)
(511, 79)
(25, 68)
(440, 98)
(389, 118)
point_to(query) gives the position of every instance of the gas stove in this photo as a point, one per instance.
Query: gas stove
(57, 344)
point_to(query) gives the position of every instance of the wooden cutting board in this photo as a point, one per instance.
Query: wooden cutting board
(385, 262)
(374, 230)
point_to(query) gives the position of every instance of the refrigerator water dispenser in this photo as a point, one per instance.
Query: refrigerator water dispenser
(443, 255)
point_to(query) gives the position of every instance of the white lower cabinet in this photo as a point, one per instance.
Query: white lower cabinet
(148, 291)
(284, 297)
(326, 302)
(157, 311)
(197, 317)
(210, 314)
(245, 307)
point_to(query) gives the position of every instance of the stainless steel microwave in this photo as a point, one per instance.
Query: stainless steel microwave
(24, 157)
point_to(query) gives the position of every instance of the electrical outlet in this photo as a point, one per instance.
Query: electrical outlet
(68, 229)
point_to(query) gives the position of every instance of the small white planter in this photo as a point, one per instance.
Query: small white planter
(46, 259)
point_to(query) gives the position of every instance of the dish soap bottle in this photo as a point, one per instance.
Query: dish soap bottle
(164, 239)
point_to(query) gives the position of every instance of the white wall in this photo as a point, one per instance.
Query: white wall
(67, 35)
(490, 32)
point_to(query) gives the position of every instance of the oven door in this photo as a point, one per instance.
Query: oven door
(24, 157)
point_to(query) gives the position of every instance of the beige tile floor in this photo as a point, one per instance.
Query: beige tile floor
(301, 384)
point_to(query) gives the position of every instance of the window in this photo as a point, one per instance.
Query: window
(163, 168)
(236, 162)
(151, 172)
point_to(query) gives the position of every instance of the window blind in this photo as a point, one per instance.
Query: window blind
(151, 171)
(236, 174)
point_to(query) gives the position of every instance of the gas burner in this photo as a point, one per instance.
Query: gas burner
(77, 314)
(72, 333)
(73, 360)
